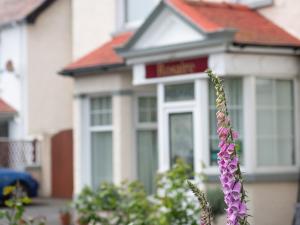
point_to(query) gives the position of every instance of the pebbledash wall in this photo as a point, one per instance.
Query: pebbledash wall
(272, 189)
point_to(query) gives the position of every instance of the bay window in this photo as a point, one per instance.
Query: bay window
(147, 155)
(234, 95)
(101, 139)
(275, 122)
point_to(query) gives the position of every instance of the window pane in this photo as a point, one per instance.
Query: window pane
(101, 110)
(147, 109)
(275, 120)
(265, 152)
(137, 10)
(234, 95)
(265, 123)
(147, 158)
(284, 92)
(179, 92)
(181, 137)
(101, 143)
(264, 90)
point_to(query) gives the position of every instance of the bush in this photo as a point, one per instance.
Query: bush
(175, 203)
(128, 203)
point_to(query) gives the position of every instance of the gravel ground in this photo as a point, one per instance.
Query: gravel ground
(44, 207)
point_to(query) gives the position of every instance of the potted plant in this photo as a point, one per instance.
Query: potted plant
(65, 216)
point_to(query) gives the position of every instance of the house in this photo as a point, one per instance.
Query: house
(142, 99)
(35, 41)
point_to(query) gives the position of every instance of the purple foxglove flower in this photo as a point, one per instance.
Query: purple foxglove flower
(235, 135)
(236, 190)
(233, 165)
(230, 148)
(243, 209)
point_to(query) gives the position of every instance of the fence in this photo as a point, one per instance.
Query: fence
(18, 154)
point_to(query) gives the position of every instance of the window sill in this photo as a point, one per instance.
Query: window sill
(262, 177)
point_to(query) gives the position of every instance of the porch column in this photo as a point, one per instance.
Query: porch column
(81, 156)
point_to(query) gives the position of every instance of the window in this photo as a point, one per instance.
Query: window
(101, 139)
(179, 92)
(4, 129)
(274, 123)
(147, 158)
(138, 10)
(255, 3)
(234, 94)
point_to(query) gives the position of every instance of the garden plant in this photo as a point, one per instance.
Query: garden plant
(16, 201)
(228, 161)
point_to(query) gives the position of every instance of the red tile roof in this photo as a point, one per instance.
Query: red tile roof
(104, 55)
(17, 10)
(252, 28)
(5, 108)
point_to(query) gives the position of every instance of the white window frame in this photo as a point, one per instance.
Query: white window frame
(138, 126)
(278, 169)
(121, 10)
(98, 128)
(200, 116)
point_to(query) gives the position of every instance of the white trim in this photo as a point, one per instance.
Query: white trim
(140, 78)
(263, 50)
(174, 110)
(249, 120)
(86, 143)
(297, 120)
(142, 127)
(202, 125)
(162, 154)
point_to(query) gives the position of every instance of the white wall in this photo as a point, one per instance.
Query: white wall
(50, 96)
(12, 39)
(93, 22)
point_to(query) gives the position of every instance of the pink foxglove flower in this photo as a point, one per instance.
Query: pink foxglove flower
(231, 177)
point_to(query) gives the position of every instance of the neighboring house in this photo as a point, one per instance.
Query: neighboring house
(35, 41)
(142, 99)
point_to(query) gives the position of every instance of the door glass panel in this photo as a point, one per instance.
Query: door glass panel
(181, 137)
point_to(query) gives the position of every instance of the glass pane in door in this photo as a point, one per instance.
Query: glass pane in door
(181, 137)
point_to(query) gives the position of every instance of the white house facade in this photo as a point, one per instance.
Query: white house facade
(35, 41)
(143, 99)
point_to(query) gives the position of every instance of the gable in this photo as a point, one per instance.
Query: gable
(167, 29)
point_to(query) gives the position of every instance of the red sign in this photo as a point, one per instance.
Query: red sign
(174, 68)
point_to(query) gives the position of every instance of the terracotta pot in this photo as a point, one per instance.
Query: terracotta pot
(65, 219)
